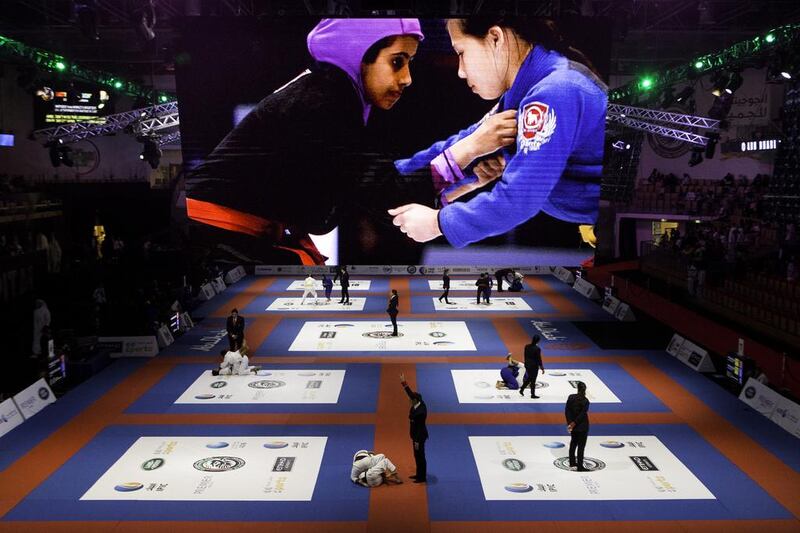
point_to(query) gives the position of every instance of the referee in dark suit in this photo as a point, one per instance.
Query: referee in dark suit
(577, 414)
(394, 300)
(419, 431)
(445, 285)
(533, 363)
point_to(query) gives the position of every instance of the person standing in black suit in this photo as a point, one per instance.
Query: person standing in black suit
(577, 414)
(483, 286)
(344, 282)
(445, 285)
(533, 363)
(500, 275)
(418, 432)
(235, 327)
(394, 300)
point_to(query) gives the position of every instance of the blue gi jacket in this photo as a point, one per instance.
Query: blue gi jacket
(556, 164)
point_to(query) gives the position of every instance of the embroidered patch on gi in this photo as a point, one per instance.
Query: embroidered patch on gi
(537, 123)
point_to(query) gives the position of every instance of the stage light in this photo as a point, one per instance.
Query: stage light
(696, 158)
(144, 16)
(667, 97)
(711, 145)
(699, 65)
(734, 82)
(721, 107)
(685, 93)
(770, 38)
(150, 151)
(621, 145)
(59, 154)
(87, 19)
(60, 65)
(163, 98)
(117, 84)
(646, 83)
(717, 84)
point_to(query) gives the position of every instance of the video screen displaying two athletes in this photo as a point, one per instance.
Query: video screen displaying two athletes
(393, 140)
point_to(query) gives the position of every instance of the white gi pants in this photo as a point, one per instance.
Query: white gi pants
(372, 469)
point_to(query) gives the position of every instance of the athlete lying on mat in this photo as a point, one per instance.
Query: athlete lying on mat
(234, 364)
(371, 469)
(509, 375)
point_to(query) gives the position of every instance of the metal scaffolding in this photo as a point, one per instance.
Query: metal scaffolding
(137, 121)
(639, 117)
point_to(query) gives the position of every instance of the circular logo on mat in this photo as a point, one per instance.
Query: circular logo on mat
(276, 444)
(484, 396)
(44, 393)
(128, 487)
(411, 269)
(437, 334)
(343, 325)
(218, 384)
(589, 463)
(215, 445)
(307, 374)
(750, 393)
(482, 384)
(219, 463)
(380, 334)
(554, 444)
(559, 374)
(542, 385)
(518, 487)
(514, 464)
(266, 384)
(152, 464)
(611, 444)
(443, 343)
(205, 396)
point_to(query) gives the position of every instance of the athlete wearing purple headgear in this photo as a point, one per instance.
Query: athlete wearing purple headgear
(291, 166)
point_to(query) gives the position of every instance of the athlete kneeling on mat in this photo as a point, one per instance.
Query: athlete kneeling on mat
(509, 375)
(371, 469)
(234, 364)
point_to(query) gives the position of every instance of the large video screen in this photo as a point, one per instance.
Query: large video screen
(61, 103)
(393, 141)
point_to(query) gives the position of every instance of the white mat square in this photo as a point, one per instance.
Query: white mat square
(375, 336)
(355, 285)
(271, 386)
(214, 468)
(321, 305)
(628, 467)
(470, 304)
(554, 386)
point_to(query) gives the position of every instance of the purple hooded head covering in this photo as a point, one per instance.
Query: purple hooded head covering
(343, 42)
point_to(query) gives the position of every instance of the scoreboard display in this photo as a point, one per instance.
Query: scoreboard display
(66, 105)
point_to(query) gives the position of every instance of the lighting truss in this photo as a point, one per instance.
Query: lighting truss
(57, 63)
(173, 137)
(141, 121)
(639, 118)
(736, 53)
(657, 129)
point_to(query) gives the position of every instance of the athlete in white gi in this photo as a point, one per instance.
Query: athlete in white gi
(309, 288)
(371, 469)
(235, 364)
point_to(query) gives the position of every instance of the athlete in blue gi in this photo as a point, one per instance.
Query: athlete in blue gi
(553, 162)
